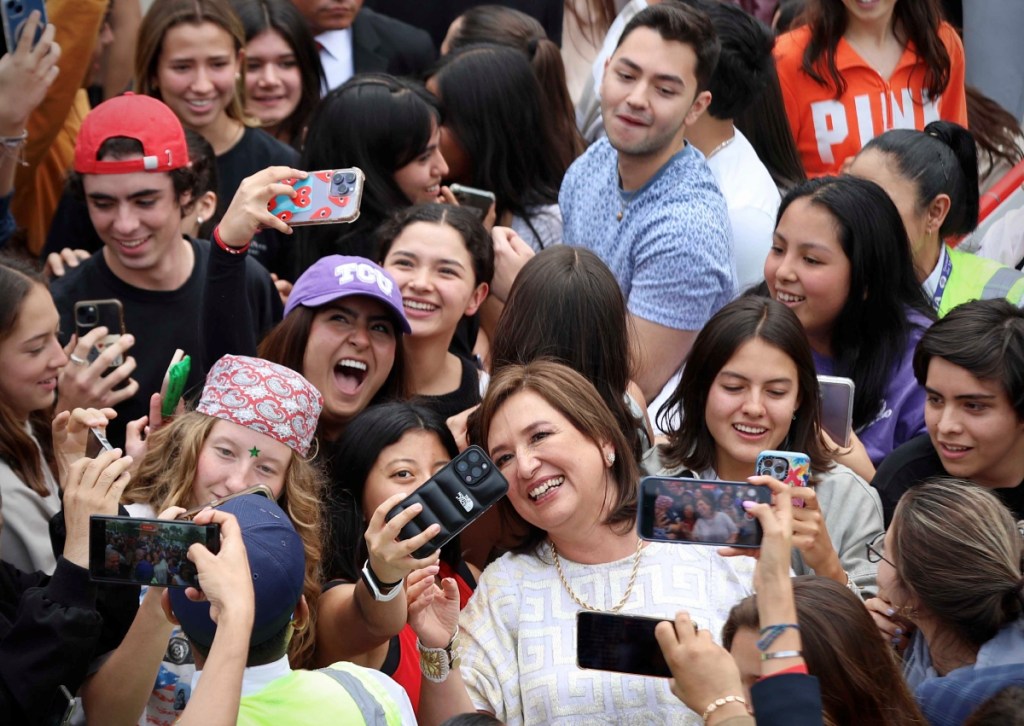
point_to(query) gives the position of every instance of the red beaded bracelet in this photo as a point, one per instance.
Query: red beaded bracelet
(230, 250)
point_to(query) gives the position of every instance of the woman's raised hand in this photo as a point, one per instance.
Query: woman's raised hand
(390, 558)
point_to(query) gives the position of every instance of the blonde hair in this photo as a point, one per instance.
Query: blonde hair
(168, 470)
(166, 14)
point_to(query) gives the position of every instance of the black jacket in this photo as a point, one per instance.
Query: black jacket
(384, 45)
(49, 632)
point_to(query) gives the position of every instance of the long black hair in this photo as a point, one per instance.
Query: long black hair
(365, 437)
(872, 330)
(493, 106)
(378, 123)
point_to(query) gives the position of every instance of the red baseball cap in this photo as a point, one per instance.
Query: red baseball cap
(142, 118)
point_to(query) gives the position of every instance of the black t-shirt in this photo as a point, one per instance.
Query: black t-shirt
(160, 320)
(915, 462)
(465, 396)
(255, 151)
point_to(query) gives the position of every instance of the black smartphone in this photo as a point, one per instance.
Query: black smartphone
(619, 643)
(479, 201)
(836, 407)
(135, 551)
(15, 14)
(455, 496)
(91, 314)
(260, 489)
(695, 511)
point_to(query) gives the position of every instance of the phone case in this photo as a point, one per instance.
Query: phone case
(789, 467)
(463, 490)
(332, 196)
(177, 376)
(15, 13)
(836, 407)
(91, 314)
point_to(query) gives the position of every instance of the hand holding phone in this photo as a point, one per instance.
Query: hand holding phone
(702, 670)
(452, 498)
(91, 487)
(174, 383)
(695, 511)
(92, 314)
(16, 16)
(478, 201)
(331, 196)
(133, 551)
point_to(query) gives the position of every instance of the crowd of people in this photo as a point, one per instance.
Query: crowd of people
(699, 208)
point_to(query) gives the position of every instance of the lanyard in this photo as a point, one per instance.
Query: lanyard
(940, 286)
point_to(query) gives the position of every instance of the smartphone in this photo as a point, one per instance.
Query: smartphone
(147, 551)
(836, 407)
(174, 383)
(789, 467)
(91, 314)
(696, 511)
(478, 201)
(454, 497)
(332, 196)
(261, 489)
(15, 14)
(619, 643)
(97, 443)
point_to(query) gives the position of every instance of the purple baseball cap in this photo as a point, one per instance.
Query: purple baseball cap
(277, 561)
(335, 276)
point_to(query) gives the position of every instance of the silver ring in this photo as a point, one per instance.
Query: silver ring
(78, 361)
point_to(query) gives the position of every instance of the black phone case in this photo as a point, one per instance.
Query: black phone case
(463, 490)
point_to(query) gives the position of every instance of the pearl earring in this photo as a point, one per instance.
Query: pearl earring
(199, 220)
(610, 458)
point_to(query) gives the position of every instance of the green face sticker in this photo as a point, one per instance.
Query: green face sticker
(254, 452)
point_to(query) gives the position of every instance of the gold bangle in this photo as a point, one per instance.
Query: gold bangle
(719, 702)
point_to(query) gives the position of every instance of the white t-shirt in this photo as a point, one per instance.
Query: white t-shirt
(753, 201)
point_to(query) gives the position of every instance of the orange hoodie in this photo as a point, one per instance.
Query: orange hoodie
(829, 129)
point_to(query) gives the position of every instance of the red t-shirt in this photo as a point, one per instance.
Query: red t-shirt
(829, 129)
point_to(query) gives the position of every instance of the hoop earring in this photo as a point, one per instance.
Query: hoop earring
(311, 456)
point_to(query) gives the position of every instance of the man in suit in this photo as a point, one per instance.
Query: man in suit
(353, 39)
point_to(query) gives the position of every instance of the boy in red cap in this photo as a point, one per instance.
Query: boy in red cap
(132, 168)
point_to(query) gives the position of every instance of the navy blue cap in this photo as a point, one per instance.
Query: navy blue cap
(277, 562)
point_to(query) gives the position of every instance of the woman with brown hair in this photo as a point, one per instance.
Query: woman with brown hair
(572, 488)
(190, 56)
(861, 684)
(950, 570)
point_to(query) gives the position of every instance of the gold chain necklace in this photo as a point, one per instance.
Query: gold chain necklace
(625, 596)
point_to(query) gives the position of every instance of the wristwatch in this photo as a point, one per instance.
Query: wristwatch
(381, 591)
(437, 663)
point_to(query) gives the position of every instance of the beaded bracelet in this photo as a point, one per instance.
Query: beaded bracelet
(770, 634)
(719, 702)
(229, 250)
(782, 654)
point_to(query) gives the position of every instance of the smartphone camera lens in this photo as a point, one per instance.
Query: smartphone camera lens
(350, 177)
(462, 466)
(477, 471)
(338, 178)
(473, 457)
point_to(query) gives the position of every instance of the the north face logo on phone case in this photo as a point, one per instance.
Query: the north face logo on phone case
(464, 500)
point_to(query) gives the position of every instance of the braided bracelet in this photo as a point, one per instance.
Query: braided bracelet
(770, 634)
(719, 702)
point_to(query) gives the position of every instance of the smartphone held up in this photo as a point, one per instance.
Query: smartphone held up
(695, 511)
(133, 551)
(331, 196)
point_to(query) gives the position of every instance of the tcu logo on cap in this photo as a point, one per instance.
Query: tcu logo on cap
(363, 273)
